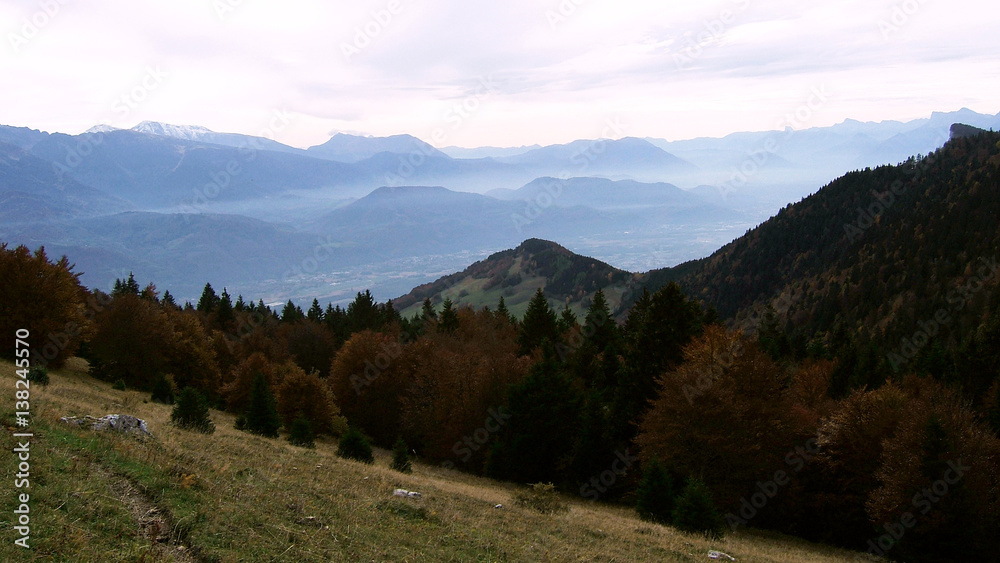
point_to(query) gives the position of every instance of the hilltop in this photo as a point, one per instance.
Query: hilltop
(515, 274)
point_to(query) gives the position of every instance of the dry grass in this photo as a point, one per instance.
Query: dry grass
(231, 496)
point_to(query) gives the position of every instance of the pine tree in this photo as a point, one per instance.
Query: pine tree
(694, 510)
(655, 494)
(567, 320)
(401, 457)
(208, 301)
(241, 305)
(502, 311)
(354, 445)
(224, 311)
(262, 413)
(598, 325)
(168, 300)
(291, 313)
(191, 412)
(427, 313)
(315, 313)
(538, 324)
(449, 318)
(126, 287)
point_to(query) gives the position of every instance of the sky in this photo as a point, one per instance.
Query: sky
(507, 73)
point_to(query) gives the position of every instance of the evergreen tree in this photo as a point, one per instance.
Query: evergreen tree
(449, 318)
(168, 300)
(655, 494)
(224, 311)
(300, 433)
(427, 313)
(208, 301)
(544, 411)
(191, 412)
(567, 320)
(291, 313)
(363, 313)
(401, 457)
(598, 325)
(315, 313)
(694, 510)
(355, 445)
(262, 413)
(538, 324)
(125, 287)
(502, 311)
(241, 305)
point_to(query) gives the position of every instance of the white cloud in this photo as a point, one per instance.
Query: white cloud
(555, 78)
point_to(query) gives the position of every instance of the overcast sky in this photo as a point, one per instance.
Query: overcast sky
(492, 73)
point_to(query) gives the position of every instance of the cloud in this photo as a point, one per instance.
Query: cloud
(557, 68)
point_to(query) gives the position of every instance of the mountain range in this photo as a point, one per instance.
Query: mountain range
(391, 213)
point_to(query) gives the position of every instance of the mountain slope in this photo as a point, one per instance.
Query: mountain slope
(31, 190)
(875, 252)
(515, 274)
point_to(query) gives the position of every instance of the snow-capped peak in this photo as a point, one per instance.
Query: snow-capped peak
(188, 132)
(101, 128)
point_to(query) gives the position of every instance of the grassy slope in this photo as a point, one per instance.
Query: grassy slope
(234, 497)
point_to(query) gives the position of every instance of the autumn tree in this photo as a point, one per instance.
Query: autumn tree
(722, 415)
(305, 395)
(46, 299)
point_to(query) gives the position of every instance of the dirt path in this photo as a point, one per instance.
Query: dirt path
(153, 524)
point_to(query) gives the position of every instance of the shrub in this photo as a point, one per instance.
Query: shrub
(354, 445)
(655, 495)
(694, 510)
(541, 497)
(300, 432)
(163, 391)
(39, 375)
(191, 412)
(401, 457)
(119, 385)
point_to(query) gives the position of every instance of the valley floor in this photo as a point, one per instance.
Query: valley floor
(230, 496)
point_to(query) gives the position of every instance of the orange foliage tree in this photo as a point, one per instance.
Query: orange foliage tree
(45, 298)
